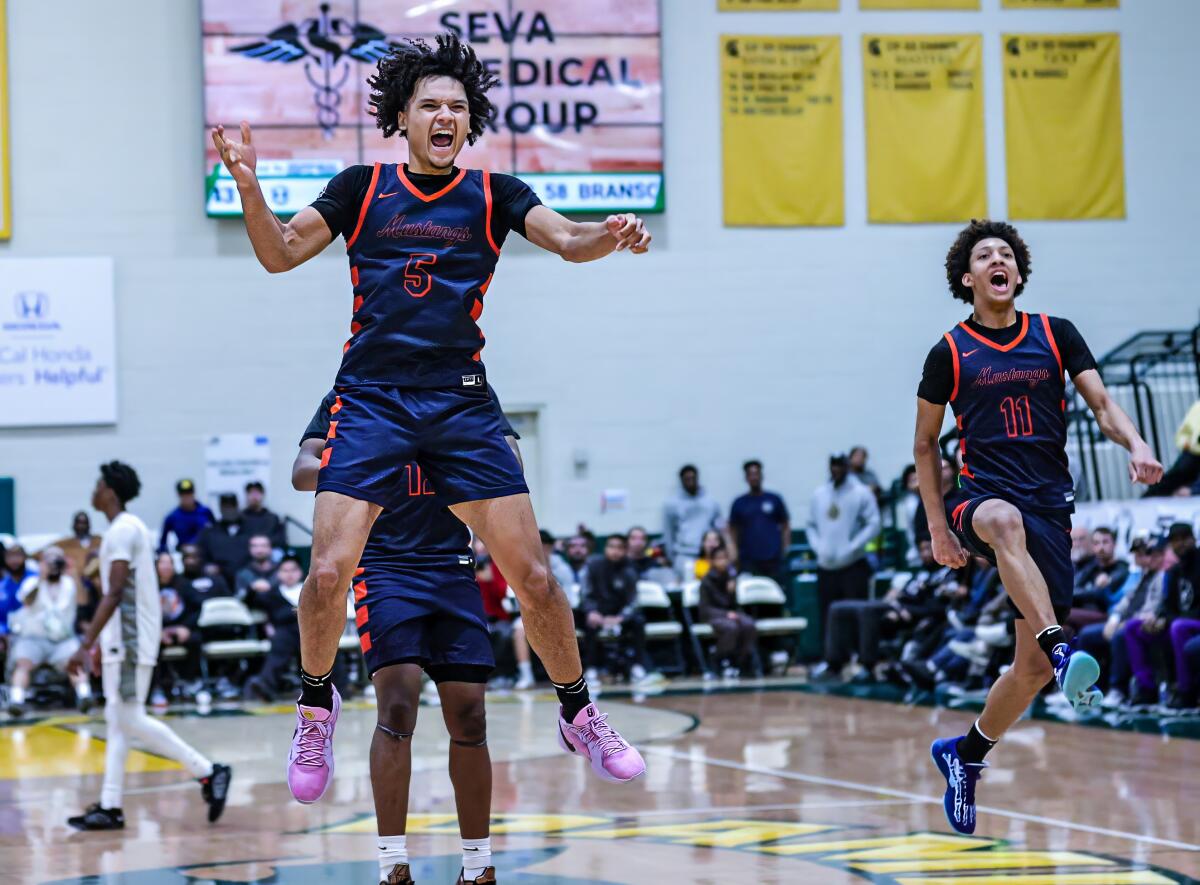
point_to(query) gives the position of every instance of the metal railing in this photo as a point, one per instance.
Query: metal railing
(1155, 377)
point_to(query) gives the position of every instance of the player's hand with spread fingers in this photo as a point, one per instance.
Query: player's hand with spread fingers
(947, 550)
(239, 157)
(1143, 466)
(629, 231)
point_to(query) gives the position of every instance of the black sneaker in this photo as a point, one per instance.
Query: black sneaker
(16, 711)
(97, 818)
(215, 788)
(84, 703)
(398, 876)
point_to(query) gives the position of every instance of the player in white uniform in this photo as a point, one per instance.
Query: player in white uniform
(128, 622)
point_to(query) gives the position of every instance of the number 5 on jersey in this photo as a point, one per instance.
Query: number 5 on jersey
(417, 280)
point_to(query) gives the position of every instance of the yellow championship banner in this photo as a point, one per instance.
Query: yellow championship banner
(918, 4)
(777, 5)
(924, 110)
(781, 126)
(5, 135)
(1062, 120)
(1060, 4)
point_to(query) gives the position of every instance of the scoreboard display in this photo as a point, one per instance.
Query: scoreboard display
(579, 105)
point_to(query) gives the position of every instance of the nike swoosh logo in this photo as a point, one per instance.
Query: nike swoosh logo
(965, 355)
(392, 194)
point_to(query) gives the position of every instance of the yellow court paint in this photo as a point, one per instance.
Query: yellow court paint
(713, 834)
(45, 751)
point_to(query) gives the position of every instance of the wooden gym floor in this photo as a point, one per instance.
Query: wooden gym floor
(743, 786)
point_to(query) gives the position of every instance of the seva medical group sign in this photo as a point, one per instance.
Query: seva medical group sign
(58, 358)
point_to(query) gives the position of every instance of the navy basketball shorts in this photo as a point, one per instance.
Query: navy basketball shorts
(455, 437)
(431, 616)
(1047, 538)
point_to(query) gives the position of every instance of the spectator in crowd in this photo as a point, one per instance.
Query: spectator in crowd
(258, 520)
(686, 517)
(1106, 642)
(225, 543)
(610, 611)
(645, 558)
(858, 466)
(15, 572)
(201, 584)
(558, 566)
(1182, 540)
(1183, 477)
(709, 544)
(509, 645)
(733, 629)
(759, 526)
(843, 520)
(181, 627)
(1099, 583)
(187, 520)
(45, 631)
(921, 518)
(279, 602)
(906, 508)
(1081, 548)
(256, 575)
(577, 559)
(1183, 614)
(82, 550)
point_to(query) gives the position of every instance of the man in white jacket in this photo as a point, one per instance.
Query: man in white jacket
(843, 519)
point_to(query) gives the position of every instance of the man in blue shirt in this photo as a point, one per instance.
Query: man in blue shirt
(16, 569)
(758, 522)
(187, 520)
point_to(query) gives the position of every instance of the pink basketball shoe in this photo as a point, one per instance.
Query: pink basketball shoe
(310, 761)
(594, 739)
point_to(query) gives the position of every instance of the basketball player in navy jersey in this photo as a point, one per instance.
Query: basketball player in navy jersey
(418, 608)
(423, 239)
(1002, 371)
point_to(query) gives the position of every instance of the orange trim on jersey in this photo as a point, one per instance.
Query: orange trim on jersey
(958, 422)
(1005, 348)
(957, 515)
(332, 431)
(325, 455)
(360, 616)
(428, 198)
(366, 203)
(355, 327)
(487, 201)
(364, 642)
(477, 309)
(358, 303)
(1053, 343)
(486, 283)
(954, 358)
(353, 276)
(358, 571)
(360, 590)
(337, 405)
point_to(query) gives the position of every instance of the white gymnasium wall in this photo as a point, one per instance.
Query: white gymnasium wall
(720, 345)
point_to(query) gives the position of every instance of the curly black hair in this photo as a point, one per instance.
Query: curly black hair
(413, 60)
(122, 479)
(958, 259)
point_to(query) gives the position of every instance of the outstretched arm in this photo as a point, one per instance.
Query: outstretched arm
(585, 241)
(278, 246)
(1115, 424)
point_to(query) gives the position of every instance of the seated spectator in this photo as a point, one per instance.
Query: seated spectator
(906, 507)
(258, 574)
(225, 544)
(577, 559)
(1183, 609)
(733, 629)
(1106, 642)
(759, 526)
(181, 625)
(45, 631)
(1183, 477)
(258, 520)
(509, 645)
(1081, 548)
(187, 520)
(650, 562)
(280, 601)
(609, 610)
(558, 566)
(1099, 583)
(709, 544)
(202, 584)
(15, 572)
(82, 550)
(858, 467)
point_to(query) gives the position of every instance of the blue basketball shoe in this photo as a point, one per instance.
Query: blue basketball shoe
(959, 801)
(1076, 673)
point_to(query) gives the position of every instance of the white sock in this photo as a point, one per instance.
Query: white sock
(16, 695)
(477, 857)
(392, 850)
(525, 670)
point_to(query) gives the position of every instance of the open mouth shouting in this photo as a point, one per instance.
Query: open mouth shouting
(441, 140)
(999, 280)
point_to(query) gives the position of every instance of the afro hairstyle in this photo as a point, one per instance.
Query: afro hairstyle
(122, 479)
(958, 259)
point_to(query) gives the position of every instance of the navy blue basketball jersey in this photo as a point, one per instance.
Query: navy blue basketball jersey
(419, 531)
(420, 266)
(1009, 402)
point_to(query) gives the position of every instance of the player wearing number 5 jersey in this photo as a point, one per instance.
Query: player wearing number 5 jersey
(423, 246)
(1003, 373)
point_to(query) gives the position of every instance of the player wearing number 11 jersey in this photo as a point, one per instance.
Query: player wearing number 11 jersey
(1003, 372)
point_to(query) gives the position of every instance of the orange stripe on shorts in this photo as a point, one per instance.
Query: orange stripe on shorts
(364, 642)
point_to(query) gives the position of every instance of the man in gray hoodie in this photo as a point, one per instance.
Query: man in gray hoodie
(843, 520)
(686, 517)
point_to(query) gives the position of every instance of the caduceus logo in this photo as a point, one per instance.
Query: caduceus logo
(325, 44)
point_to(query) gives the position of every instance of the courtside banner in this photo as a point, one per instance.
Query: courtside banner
(777, 5)
(1063, 131)
(781, 127)
(918, 4)
(924, 127)
(1060, 4)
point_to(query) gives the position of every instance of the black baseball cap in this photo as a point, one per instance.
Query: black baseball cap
(839, 458)
(184, 486)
